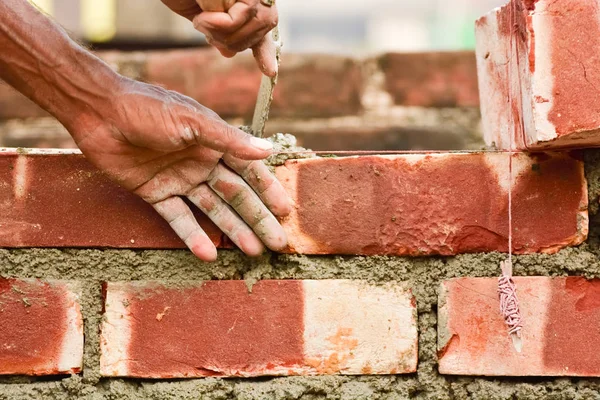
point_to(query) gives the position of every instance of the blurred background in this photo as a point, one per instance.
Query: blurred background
(333, 26)
(355, 75)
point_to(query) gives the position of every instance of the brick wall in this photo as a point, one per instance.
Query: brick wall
(387, 290)
(392, 101)
(391, 296)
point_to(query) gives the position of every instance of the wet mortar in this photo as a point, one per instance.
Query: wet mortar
(423, 274)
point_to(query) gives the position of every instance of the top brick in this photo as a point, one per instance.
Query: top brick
(409, 204)
(538, 69)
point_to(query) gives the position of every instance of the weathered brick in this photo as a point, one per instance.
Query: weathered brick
(538, 72)
(308, 86)
(423, 204)
(560, 333)
(221, 328)
(444, 79)
(42, 328)
(58, 199)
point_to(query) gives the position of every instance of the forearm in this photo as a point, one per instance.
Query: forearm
(42, 62)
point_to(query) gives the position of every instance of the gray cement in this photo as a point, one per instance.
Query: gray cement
(423, 274)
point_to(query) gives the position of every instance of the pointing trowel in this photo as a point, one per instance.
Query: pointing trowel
(265, 92)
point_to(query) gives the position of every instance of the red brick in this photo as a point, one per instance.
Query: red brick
(219, 328)
(423, 204)
(42, 328)
(560, 328)
(542, 57)
(57, 199)
(445, 79)
(308, 86)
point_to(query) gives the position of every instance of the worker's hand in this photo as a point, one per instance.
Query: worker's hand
(233, 27)
(166, 147)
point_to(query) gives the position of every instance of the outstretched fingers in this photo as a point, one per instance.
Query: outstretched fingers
(182, 221)
(240, 196)
(226, 219)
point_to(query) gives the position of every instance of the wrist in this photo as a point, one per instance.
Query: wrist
(84, 90)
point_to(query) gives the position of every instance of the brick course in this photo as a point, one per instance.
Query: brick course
(417, 204)
(311, 85)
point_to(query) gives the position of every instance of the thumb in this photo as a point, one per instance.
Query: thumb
(265, 53)
(220, 136)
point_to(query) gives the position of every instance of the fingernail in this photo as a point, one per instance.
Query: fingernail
(261, 143)
(273, 72)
